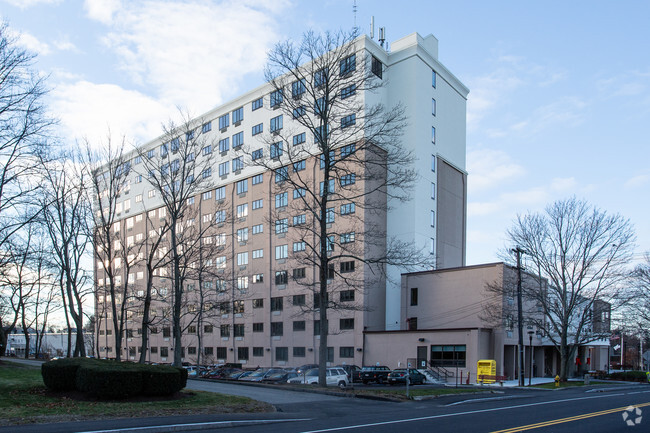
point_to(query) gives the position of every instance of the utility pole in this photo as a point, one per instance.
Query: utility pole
(520, 324)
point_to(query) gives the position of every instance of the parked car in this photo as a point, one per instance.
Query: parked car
(236, 375)
(223, 373)
(353, 371)
(304, 368)
(280, 377)
(377, 373)
(400, 376)
(335, 376)
(192, 371)
(260, 374)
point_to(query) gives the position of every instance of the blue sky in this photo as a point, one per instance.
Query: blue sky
(559, 91)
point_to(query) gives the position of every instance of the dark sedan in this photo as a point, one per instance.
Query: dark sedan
(400, 376)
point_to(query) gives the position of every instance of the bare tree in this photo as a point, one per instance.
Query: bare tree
(637, 305)
(177, 174)
(23, 128)
(353, 167)
(66, 215)
(583, 252)
(108, 173)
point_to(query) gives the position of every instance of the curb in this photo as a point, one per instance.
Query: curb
(193, 426)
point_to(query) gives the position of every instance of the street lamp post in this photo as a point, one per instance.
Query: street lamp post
(530, 344)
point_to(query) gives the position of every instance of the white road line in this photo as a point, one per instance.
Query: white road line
(198, 425)
(455, 414)
(509, 397)
(638, 392)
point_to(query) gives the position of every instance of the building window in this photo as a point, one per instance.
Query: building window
(299, 220)
(432, 246)
(224, 121)
(281, 252)
(281, 174)
(299, 138)
(320, 77)
(298, 88)
(433, 134)
(225, 330)
(242, 259)
(220, 193)
(276, 150)
(206, 195)
(346, 324)
(449, 356)
(238, 115)
(317, 300)
(242, 235)
(299, 166)
(299, 111)
(347, 208)
(258, 327)
(347, 238)
(348, 91)
(281, 278)
(208, 351)
(276, 123)
(208, 329)
(414, 296)
(298, 325)
(237, 164)
(242, 185)
(224, 144)
(298, 352)
(257, 154)
(258, 129)
(207, 127)
(348, 179)
(238, 330)
(257, 104)
(242, 210)
(297, 247)
(276, 98)
(376, 67)
(224, 168)
(222, 352)
(347, 267)
(281, 226)
(258, 228)
(433, 190)
(258, 278)
(277, 329)
(298, 300)
(258, 351)
(258, 204)
(433, 78)
(433, 163)
(433, 106)
(348, 65)
(412, 323)
(258, 178)
(258, 303)
(207, 150)
(347, 296)
(346, 352)
(242, 352)
(330, 187)
(237, 140)
(281, 200)
(281, 353)
(433, 218)
(348, 121)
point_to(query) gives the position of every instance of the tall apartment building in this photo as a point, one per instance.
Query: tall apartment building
(258, 297)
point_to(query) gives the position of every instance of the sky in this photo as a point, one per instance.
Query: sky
(559, 91)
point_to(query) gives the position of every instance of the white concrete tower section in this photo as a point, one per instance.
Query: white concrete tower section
(435, 104)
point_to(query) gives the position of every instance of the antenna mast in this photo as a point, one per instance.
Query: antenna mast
(354, 11)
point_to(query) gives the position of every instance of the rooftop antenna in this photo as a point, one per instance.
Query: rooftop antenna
(382, 36)
(372, 27)
(354, 11)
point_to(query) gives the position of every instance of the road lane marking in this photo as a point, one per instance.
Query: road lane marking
(448, 415)
(568, 419)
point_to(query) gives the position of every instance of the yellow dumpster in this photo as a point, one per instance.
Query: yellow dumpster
(486, 371)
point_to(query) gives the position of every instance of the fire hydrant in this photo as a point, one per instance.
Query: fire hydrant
(557, 381)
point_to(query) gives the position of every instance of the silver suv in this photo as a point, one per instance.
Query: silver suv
(335, 376)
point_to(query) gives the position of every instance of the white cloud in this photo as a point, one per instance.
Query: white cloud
(30, 42)
(25, 4)
(489, 168)
(64, 44)
(90, 110)
(637, 181)
(192, 53)
(566, 185)
(102, 10)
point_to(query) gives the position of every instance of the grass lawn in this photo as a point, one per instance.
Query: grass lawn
(24, 399)
(570, 384)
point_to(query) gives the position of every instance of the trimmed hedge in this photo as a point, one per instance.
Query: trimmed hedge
(630, 376)
(112, 380)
